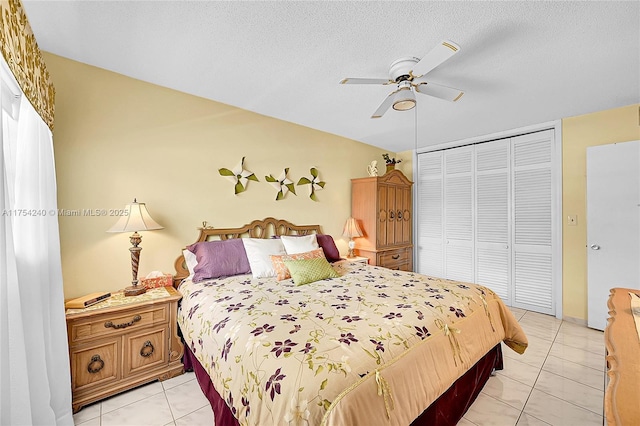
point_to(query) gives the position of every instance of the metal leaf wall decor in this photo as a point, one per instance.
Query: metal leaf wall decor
(283, 184)
(239, 176)
(315, 184)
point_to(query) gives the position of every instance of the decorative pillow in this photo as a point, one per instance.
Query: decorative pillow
(326, 243)
(216, 259)
(299, 243)
(281, 269)
(329, 246)
(309, 270)
(191, 261)
(259, 251)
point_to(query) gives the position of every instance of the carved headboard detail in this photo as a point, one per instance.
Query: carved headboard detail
(265, 228)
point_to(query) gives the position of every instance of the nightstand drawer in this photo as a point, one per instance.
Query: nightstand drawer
(95, 365)
(395, 259)
(105, 325)
(145, 350)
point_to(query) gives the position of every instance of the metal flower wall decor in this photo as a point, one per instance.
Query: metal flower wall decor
(239, 176)
(314, 183)
(283, 184)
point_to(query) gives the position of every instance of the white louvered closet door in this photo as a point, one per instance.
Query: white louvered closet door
(533, 207)
(493, 217)
(430, 227)
(458, 214)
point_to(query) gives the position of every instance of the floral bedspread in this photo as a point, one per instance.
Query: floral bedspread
(374, 346)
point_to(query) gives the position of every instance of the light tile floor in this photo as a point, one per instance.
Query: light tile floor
(558, 381)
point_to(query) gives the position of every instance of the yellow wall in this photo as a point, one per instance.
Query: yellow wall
(117, 138)
(578, 133)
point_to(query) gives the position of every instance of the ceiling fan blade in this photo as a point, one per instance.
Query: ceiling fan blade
(438, 91)
(366, 81)
(385, 105)
(435, 57)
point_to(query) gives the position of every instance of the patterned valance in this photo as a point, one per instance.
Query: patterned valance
(20, 50)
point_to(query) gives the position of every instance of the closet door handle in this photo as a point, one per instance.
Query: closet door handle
(399, 214)
(391, 214)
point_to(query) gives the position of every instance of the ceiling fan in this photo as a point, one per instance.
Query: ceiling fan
(407, 74)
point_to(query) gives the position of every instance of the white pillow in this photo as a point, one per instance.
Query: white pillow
(191, 260)
(258, 252)
(294, 245)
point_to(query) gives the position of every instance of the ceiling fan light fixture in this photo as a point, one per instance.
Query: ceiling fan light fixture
(405, 100)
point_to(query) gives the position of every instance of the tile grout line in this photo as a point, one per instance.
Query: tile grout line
(538, 376)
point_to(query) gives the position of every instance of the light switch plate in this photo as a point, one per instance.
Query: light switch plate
(572, 220)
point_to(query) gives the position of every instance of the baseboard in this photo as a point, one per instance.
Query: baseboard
(577, 321)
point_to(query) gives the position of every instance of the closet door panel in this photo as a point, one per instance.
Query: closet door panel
(458, 214)
(430, 207)
(532, 221)
(492, 218)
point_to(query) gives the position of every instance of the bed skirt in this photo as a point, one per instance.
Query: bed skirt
(447, 410)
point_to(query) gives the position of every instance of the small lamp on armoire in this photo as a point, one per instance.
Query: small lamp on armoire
(137, 219)
(351, 230)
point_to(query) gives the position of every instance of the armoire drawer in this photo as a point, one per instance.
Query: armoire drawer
(400, 259)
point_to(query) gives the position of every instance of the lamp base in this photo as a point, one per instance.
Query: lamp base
(135, 290)
(350, 254)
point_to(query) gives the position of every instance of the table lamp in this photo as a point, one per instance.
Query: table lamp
(351, 230)
(138, 219)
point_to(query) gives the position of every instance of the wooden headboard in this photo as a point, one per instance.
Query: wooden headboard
(265, 228)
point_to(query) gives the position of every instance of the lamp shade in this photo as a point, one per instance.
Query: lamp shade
(138, 219)
(352, 229)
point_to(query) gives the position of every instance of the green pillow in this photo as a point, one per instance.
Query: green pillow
(306, 271)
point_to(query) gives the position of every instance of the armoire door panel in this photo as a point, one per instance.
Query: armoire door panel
(383, 215)
(392, 216)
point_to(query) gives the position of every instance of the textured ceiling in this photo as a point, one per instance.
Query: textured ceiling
(520, 63)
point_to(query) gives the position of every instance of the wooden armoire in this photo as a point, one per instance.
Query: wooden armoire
(383, 208)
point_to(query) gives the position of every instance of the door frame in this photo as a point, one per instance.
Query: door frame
(556, 126)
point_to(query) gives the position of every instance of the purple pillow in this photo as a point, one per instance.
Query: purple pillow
(329, 247)
(217, 259)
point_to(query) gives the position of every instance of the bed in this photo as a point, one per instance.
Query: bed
(368, 346)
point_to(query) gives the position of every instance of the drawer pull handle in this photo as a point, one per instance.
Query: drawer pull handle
(395, 257)
(399, 214)
(144, 352)
(124, 324)
(391, 214)
(95, 359)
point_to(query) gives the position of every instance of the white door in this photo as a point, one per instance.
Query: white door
(458, 214)
(533, 218)
(613, 224)
(430, 253)
(493, 217)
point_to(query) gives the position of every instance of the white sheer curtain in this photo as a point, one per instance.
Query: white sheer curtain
(35, 383)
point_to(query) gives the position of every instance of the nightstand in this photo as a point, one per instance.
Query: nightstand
(358, 259)
(122, 343)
